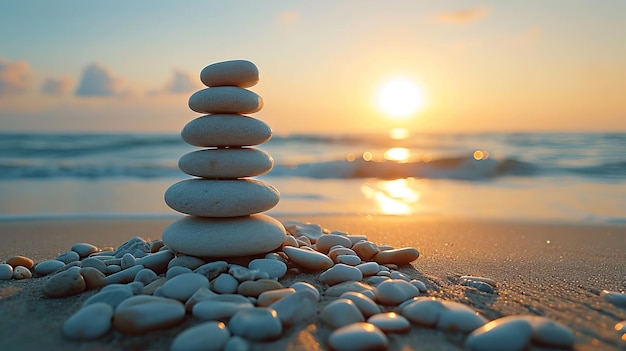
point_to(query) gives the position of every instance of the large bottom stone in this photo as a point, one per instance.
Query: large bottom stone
(224, 237)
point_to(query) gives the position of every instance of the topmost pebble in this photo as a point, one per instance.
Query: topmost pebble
(239, 73)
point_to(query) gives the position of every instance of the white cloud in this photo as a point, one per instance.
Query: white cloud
(97, 80)
(181, 82)
(15, 77)
(56, 86)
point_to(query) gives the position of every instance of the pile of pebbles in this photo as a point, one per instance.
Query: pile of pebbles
(358, 292)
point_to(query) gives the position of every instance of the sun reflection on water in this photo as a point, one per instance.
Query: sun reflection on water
(398, 154)
(393, 196)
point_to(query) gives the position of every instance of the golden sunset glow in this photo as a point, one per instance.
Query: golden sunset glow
(400, 98)
(398, 154)
(395, 197)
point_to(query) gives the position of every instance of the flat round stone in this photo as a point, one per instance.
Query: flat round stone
(6, 271)
(366, 305)
(309, 260)
(144, 313)
(395, 291)
(182, 286)
(358, 336)
(224, 237)
(226, 130)
(340, 273)
(423, 311)
(341, 312)
(225, 99)
(66, 283)
(457, 317)
(257, 324)
(90, 322)
(208, 336)
(502, 334)
(228, 163)
(221, 198)
(20, 261)
(400, 257)
(390, 322)
(240, 73)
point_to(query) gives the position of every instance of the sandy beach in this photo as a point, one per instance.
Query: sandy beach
(550, 269)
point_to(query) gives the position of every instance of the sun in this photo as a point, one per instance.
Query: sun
(400, 98)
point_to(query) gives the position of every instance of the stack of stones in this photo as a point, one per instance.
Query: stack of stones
(223, 203)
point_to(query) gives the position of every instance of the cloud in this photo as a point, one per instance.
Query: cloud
(463, 16)
(56, 86)
(181, 82)
(97, 80)
(15, 77)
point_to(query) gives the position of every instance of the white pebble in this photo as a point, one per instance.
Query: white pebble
(237, 343)
(340, 273)
(208, 336)
(84, 249)
(351, 260)
(365, 304)
(457, 317)
(6, 271)
(225, 284)
(145, 276)
(357, 337)
(176, 270)
(419, 285)
(90, 322)
(144, 313)
(128, 260)
(123, 276)
(274, 268)
(341, 312)
(181, 287)
(310, 260)
(547, 332)
(502, 334)
(297, 308)
(424, 311)
(390, 322)
(220, 307)
(267, 298)
(257, 324)
(394, 291)
(68, 256)
(304, 286)
(21, 272)
(50, 266)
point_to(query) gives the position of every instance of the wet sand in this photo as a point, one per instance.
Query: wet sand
(551, 269)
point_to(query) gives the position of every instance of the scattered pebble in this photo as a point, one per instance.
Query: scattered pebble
(49, 267)
(502, 334)
(90, 322)
(66, 283)
(21, 272)
(357, 337)
(256, 324)
(143, 313)
(341, 312)
(390, 322)
(182, 286)
(20, 261)
(309, 260)
(208, 336)
(84, 249)
(6, 271)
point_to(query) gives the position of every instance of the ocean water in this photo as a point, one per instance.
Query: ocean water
(519, 176)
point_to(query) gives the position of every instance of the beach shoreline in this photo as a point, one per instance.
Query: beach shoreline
(556, 269)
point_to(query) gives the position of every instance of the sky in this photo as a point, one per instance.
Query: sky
(130, 66)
